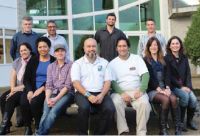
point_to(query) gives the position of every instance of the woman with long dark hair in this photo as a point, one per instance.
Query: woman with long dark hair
(180, 78)
(11, 99)
(34, 81)
(159, 90)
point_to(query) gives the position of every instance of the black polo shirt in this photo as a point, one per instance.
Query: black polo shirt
(108, 42)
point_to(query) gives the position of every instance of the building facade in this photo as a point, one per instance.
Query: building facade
(80, 19)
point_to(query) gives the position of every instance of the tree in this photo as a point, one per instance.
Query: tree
(192, 39)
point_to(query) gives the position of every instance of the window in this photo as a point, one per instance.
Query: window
(84, 23)
(81, 6)
(78, 45)
(42, 24)
(100, 21)
(103, 5)
(57, 7)
(8, 57)
(40, 7)
(150, 10)
(124, 2)
(129, 19)
(1, 51)
(5, 34)
(36, 7)
(134, 43)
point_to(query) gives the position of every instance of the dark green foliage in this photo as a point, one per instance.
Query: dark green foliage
(192, 39)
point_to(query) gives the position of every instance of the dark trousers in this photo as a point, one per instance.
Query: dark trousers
(32, 109)
(105, 110)
(9, 105)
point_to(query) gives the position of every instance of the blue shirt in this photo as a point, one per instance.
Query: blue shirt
(19, 38)
(41, 73)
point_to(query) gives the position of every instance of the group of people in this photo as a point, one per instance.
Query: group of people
(44, 82)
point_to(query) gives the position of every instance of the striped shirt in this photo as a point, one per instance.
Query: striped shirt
(144, 39)
(59, 77)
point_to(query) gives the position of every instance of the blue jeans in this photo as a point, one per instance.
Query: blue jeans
(186, 99)
(51, 113)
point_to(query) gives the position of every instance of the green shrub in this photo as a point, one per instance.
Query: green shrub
(192, 39)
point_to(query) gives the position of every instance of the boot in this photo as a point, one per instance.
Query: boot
(163, 122)
(183, 110)
(28, 131)
(190, 115)
(5, 124)
(8, 127)
(177, 119)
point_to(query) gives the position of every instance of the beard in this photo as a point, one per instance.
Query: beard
(91, 54)
(111, 25)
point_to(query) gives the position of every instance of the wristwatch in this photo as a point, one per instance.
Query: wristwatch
(87, 94)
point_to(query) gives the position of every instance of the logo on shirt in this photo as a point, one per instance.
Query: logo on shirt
(99, 67)
(132, 68)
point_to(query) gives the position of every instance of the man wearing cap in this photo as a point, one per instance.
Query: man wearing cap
(55, 38)
(91, 78)
(59, 90)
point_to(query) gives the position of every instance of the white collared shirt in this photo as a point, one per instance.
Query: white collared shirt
(127, 73)
(58, 39)
(91, 75)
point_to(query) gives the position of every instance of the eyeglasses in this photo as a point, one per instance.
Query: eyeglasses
(51, 26)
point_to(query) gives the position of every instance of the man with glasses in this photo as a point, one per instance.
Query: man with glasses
(55, 38)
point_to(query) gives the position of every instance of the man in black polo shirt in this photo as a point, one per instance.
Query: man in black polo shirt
(107, 38)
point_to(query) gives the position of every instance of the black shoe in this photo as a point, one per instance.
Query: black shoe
(190, 115)
(163, 122)
(178, 130)
(3, 130)
(184, 128)
(28, 131)
(5, 124)
(125, 133)
(176, 115)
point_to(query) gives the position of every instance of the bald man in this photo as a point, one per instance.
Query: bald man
(91, 78)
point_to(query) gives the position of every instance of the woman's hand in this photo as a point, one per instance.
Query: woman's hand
(38, 91)
(167, 91)
(186, 89)
(30, 96)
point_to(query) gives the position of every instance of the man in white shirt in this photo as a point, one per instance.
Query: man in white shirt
(55, 38)
(130, 81)
(151, 31)
(91, 78)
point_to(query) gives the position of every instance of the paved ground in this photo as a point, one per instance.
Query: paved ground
(196, 83)
(66, 125)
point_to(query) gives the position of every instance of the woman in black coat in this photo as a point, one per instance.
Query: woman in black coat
(180, 77)
(159, 86)
(34, 82)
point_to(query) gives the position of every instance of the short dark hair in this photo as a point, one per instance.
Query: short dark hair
(124, 39)
(43, 39)
(181, 51)
(27, 18)
(28, 46)
(150, 19)
(51, 21)
(111, 14)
